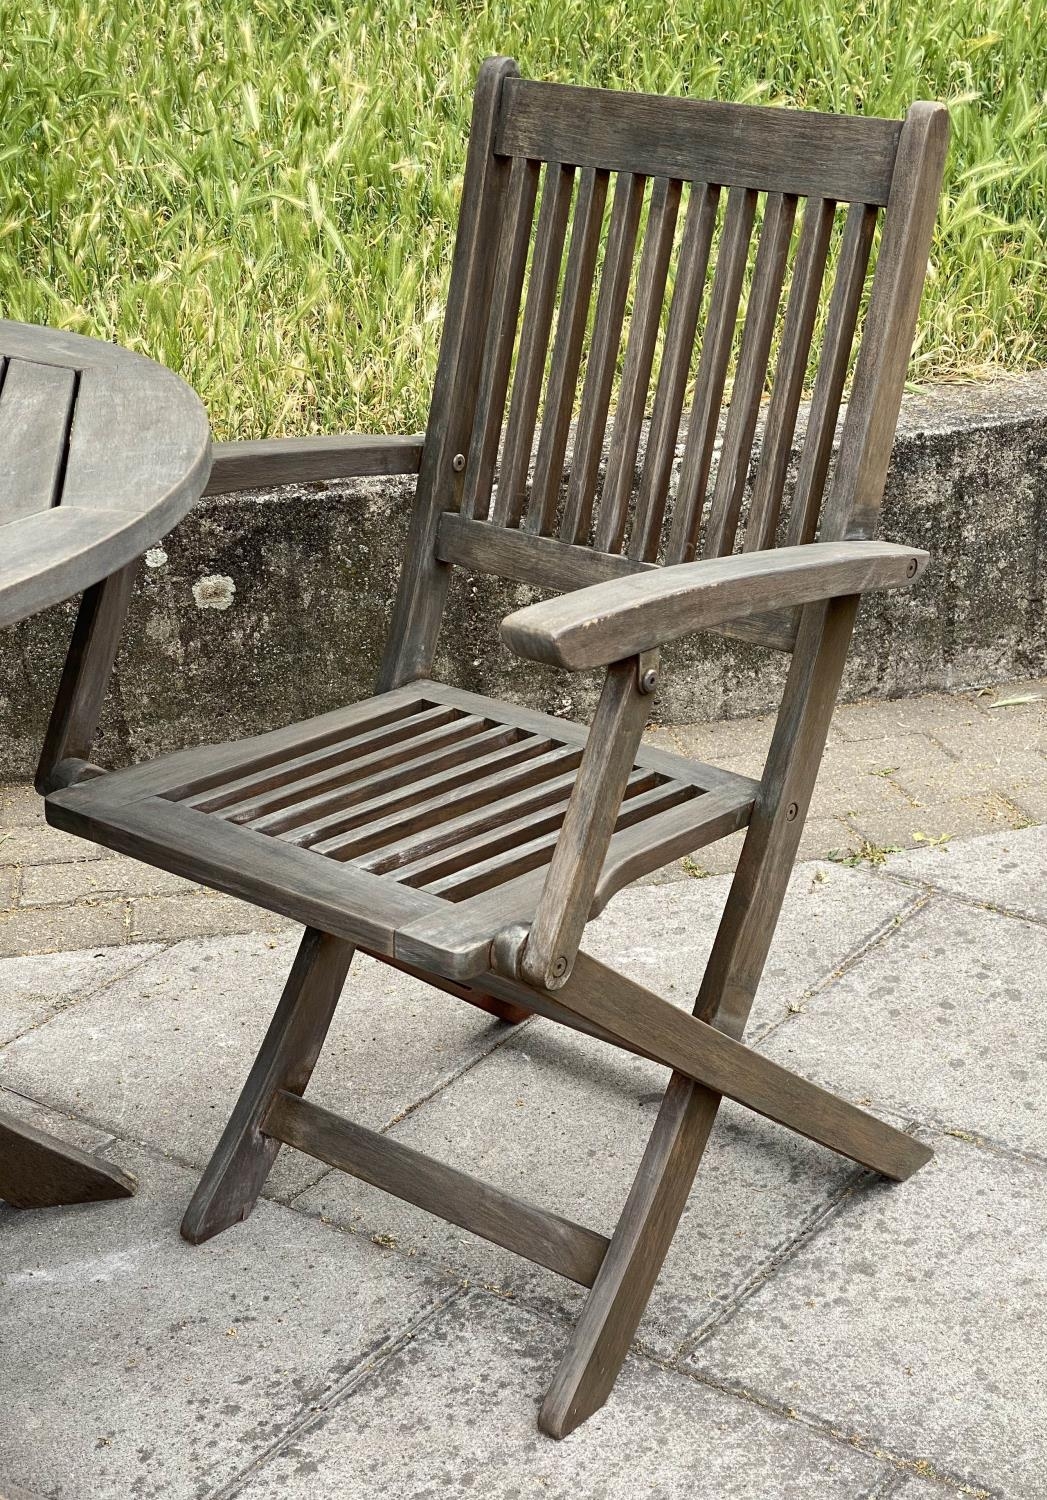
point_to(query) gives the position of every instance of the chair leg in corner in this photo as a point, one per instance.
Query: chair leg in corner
(244, 1156)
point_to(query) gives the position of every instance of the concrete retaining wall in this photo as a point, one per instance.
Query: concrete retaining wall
(266, 607)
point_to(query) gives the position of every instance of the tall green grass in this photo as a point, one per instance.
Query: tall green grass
(262, 193)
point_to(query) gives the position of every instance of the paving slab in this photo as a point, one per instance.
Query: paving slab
(1008, 870)
(661, 936)
(926, 1489)
(32, 990)
(161, 1056)
(137, 1366)
(37, 929)
(36, 844)
(50, 885)
(914, 1321)
(561, 1121)
(202, 914)
(66, 1127)
(943, 1022)
(948, 818)
(453, 1415)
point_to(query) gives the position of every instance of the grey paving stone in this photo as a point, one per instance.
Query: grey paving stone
(946, 819)
(661, 936)
(66, 1128)
(35, 988)
(926, 1489)
(55, 929)
(36, 844)
(162, 1055)
(943, 1022)
(48, 885)
(453, 1415)
(19, 804)
(559, 1120)
(915, 1321)
(204, 914)
(1003, 869)
(137, 1365)
(936, 714)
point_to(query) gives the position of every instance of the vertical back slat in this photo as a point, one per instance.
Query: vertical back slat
(832, 372)
(762, 312)
(691, 269)
(853, 505)
(639, 359)
(501, 336)
(712, 372)
(603, 354)
(787, 388)
(567, 350)
(534, 342)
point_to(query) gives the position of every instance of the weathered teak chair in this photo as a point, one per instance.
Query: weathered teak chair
(468, 841)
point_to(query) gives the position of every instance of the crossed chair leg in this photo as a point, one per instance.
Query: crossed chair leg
(703, 1051)
(707, 1064)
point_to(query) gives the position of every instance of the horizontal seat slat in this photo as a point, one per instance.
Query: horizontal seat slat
(519, 824)
(188, 771)
(388, 841)
(391, 778)
(383, 729)
(503, 866)
(269, 812)
(845, 157)
(328, 833)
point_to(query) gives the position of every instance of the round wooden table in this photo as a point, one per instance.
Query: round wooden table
(101, 452)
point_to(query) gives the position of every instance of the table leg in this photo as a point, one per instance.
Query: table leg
(38, 1171)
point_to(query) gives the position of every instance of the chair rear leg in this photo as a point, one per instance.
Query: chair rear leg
(612, 1312)
(244, 1156)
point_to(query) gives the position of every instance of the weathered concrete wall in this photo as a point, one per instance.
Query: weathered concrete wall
(313, 571)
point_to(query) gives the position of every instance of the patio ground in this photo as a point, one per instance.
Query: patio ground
(815, 1333)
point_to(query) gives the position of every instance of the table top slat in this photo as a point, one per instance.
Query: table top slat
(36, 403)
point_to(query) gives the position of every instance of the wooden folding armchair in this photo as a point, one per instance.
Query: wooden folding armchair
(469, 841)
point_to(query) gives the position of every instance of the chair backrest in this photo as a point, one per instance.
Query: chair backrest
(606, 246)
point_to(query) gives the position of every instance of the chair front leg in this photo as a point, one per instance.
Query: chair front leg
(244, 1156)
(612, 1312)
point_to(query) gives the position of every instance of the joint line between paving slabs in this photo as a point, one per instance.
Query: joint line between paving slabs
(907, 1465)
(876, 939)
(938, 892)
(776, 1260)
(369, 1363)
(158, 950)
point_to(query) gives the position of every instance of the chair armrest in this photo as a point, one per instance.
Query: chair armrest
(248, 466)
(607, 622)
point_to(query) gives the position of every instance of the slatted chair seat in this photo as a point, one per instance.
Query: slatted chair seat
(617, 257)
(416, 820)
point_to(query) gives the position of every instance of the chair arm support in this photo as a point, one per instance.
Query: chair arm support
(608, 622)
(249, 466)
